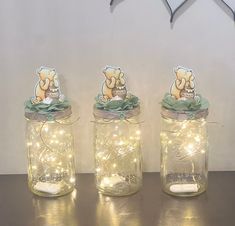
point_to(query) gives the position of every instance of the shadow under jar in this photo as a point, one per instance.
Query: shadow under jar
(184, 152)
(51, 169)
(118, 158)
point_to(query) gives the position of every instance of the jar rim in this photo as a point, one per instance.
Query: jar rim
(41, 117)
(108, 114)
(184, 115)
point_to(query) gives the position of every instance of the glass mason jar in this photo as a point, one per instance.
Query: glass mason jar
(51, 168)
(118, 158)
(184, 152)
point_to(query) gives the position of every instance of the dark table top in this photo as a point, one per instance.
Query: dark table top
(149, 207)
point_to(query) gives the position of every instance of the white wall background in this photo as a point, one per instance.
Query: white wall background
(80, 37)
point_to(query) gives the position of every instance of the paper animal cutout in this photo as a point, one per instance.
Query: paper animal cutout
(183, 86)
(231, 5)
(47, 88)
(175, 5)
(114, 85)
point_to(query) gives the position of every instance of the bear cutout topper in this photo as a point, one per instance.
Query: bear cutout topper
(183, 87)
(114, 87)
(47, 88)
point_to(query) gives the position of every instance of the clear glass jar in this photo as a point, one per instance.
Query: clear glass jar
(118, 158)
(51, 168)
(184, 152)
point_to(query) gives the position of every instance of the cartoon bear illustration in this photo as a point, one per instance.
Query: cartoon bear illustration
(48, 83)
(114, 84)
(183, 86)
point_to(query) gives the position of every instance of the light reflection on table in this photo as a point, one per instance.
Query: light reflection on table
(55, 211)
(118, 211)
(180, 211)
(149, 207)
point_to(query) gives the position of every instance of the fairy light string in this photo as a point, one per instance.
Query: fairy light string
(56, 121)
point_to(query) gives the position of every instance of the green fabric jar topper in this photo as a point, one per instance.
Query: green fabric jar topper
(130, 102)
(171, 103)
(182, 97)
(48, 102)
(114, 98)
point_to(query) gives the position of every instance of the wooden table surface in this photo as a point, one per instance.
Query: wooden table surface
(149, 207)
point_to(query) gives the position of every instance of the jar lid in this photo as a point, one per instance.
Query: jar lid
(184, 115)
(49, 116)
(105, 114)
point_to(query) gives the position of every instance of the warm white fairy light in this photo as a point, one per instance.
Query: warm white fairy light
(46, 128)
(203, 151)
(118, 160)
(197, 138)
(29, 144)
(121, 143)
(72, 179)
(50, 148)
(34, 167)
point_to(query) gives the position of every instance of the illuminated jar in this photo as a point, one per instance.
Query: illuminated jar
(49, 141)
(184, 145)
(118, 159)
